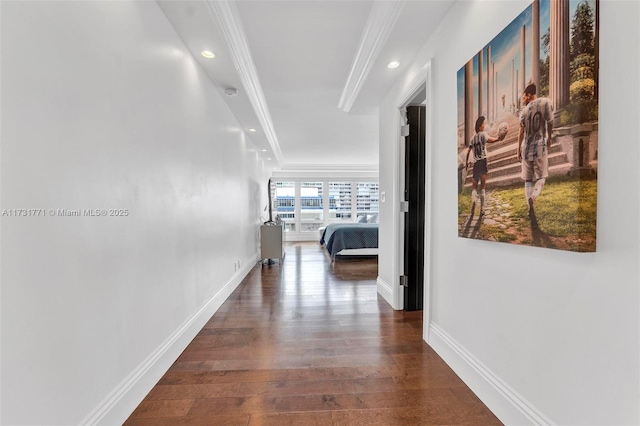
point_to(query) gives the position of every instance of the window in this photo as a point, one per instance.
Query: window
(367, 197)
(367, 200)
(339, 200)
(305, 205)
(283, 195)
(311, 202)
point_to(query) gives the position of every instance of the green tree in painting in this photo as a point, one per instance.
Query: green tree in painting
(582, 29)
(582, 65)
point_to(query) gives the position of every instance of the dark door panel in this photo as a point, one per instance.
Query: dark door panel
(414, 218)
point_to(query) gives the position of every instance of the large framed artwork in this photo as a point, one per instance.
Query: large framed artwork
(528, 130)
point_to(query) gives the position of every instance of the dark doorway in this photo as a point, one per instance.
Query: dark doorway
(414, 194)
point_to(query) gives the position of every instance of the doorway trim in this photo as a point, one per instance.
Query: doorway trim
(421, 81)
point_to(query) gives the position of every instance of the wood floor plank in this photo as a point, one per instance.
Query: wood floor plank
(291, 419)
(243, 405)
(207, 420)
(317, 387)
(414, 416)
(233, 376)
(163, 408)
(360, 401)
(310, 342)
(193, 391)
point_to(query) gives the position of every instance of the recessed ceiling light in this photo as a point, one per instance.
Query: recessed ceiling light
(264, 150)
(269, 158)
(252, 130)
(231, 91)
(208, 54)
(393, 64)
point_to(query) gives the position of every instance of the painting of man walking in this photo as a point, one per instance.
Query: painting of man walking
(535, 85)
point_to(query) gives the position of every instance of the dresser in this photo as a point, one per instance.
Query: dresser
(271, 242)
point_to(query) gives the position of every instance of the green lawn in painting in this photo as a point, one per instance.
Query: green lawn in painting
(565, 213)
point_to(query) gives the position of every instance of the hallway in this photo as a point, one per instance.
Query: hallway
(310, 343)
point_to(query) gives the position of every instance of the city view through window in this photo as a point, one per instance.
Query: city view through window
(307, 206)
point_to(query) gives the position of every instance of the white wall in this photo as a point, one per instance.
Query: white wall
(542, 336)
(104, 108)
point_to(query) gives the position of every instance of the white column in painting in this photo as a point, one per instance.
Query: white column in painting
(468, 102)
(480, 81)
(515, 94)
(495, 89)
(522, 61)
(513, 83)
(559, 55)
(535, 43)
(489, 86)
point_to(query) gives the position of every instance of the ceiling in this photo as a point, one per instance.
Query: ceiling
(309, 73)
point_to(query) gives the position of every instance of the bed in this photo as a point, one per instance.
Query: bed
(341, 239)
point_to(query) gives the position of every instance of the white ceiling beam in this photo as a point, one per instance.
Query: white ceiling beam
(327, 171)
(226, 15)
(353, 167)
(378, 27)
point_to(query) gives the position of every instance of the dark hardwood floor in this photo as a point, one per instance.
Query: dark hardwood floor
(309, 342)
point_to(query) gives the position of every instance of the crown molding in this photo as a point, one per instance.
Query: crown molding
(226, 15)
(381, 20)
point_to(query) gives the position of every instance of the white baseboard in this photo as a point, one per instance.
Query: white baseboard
(118, 405)
(385, 290)
(509, 406)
